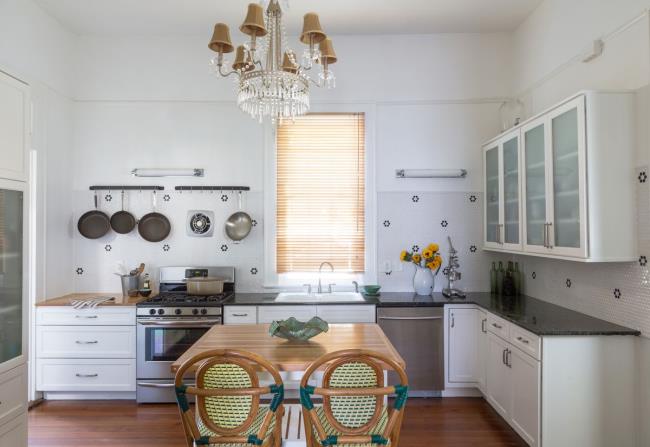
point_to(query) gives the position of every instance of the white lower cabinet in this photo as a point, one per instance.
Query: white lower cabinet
(269, 314)
(78, 375)
(524, 407)
(240, 315)
(13, 394)
(333, 314)
(347, 314)
(14, 432)
(498, 386)
(462, 364)
(482, 343)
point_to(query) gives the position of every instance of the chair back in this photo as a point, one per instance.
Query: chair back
(227, 395)
(353, 392)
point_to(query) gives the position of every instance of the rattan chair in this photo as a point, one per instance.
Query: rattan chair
(353, 413)
(228, 395)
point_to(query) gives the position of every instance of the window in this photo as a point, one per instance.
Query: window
(321, 193)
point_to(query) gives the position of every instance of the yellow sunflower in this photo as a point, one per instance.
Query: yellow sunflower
(403, 255)
(433, 247)
(427, 253)
(417, 258)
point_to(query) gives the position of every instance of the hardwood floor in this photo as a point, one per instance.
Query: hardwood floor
(456, 422)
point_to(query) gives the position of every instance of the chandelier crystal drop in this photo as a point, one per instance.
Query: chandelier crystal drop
(270, 81)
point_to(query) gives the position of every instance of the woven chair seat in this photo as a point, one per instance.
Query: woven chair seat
(253, 429)
(329, 430)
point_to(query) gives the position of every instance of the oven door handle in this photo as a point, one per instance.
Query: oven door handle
(172, 323)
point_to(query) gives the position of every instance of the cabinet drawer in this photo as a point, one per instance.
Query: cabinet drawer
(100, 316)
(240, 315)
(347, 314)
(14, 432)
(526, 341)
(13, 393)
(85, 374)
(498, 326)
(268, 314)
(85, 342)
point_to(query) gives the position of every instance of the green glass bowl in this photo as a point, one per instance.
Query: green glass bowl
(371, 289)
(292, 329)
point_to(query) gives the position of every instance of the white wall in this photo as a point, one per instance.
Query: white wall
(548, 47)
(153, 103)
(37, 50)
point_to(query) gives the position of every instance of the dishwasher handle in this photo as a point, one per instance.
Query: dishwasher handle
(409, 318)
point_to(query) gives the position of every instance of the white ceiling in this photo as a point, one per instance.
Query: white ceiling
(196, 17)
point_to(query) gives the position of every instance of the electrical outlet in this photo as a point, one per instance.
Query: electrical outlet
(387, 267)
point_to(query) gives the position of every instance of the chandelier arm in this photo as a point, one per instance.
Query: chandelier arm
(225, 75)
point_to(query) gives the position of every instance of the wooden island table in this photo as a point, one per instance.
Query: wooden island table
(293, 358)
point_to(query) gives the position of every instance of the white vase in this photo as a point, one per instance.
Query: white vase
(423, 281)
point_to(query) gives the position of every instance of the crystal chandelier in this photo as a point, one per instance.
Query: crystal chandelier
(271, 83)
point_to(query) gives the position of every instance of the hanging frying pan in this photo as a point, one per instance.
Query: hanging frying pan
(239, 224)
(154, 227)
(123, 222)
(94, 224)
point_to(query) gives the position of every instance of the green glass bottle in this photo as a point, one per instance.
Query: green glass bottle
(500, 276)
(493, 278)
(517, 278)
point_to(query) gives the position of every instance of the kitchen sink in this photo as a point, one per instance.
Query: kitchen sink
(335, 297)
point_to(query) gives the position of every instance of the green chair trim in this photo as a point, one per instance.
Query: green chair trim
(402, 395)
(330, 440)
(305, 398)
(378, 439)
(278, 396)
(203, 440)
(181, 398)
(253, 439)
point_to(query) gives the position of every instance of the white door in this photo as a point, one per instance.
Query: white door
(567, 211)
(525, 410)
(482, 347)
(499, 389)
(463, 351)
(15, 125)
(492, 204)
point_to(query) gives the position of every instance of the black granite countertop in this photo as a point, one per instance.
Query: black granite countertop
(536, 316)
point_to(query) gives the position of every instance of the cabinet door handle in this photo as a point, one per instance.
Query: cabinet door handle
(87, 375)
(453, 320)
(545, 235)
(498, 326)
(503, 356)
(523, 340)
(90, 342)
(483, 321)
(548, 237)
(508, 354)
(239, 315)
(86, 317)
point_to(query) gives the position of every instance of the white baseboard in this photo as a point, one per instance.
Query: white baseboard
(64, 395)
(462, 392)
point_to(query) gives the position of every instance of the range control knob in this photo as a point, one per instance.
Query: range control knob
(152, 311)
(161, 311)
(178, 311)
(195, 311)
(204, 311)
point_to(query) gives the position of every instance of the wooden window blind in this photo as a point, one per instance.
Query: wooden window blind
(321, 193)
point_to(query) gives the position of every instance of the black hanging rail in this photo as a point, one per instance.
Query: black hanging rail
(126, 188)
(213, 188)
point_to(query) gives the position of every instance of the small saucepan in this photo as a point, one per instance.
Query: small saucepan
(94, 224)
(123, 222)
(154, 227)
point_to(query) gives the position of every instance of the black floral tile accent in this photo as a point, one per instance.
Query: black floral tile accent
(568, 283)
(108, 247)
(388, 273)
(617, 294)
(108, 197)
(254, 271)
(224, 247)
(444, 224)
(387, 223)
(415, 248)
(534, 275)
(415, 199)
(166, 247)
(224, 197)
(643, 261)
(80, 271)
(472, 198)
(445, 271)
(167, 197)
(254, 223)
(643, 177)
(473, 249)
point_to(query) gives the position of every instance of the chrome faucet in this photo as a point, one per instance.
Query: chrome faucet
(320, 270)
(356, 286)
(453, 274)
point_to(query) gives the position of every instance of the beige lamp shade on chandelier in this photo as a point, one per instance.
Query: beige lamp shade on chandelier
(272, 83)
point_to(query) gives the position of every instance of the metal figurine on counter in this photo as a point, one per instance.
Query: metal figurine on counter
(453, 275)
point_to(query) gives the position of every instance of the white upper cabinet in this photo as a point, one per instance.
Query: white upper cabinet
(571, 189)
(14, 128)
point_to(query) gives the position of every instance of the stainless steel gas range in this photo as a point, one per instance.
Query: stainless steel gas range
(169, 323)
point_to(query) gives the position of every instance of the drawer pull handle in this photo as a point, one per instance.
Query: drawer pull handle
(498, 326)
(87, 375)
(91, 342)
(239, 315)
(523, 340)
(87, 317)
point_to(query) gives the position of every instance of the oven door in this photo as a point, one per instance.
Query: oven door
(161, 341)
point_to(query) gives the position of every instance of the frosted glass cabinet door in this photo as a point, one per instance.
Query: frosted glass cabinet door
(535, 186)
(511, 192)
(492, 196)
(11, 277)
(566, 233)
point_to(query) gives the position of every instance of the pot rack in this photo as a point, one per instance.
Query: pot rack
(212, 188)
(126, 188)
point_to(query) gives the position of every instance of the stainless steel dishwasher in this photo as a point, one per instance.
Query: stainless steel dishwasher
(418, 335)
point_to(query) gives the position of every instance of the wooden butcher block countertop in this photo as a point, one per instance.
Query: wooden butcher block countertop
(66, 299)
